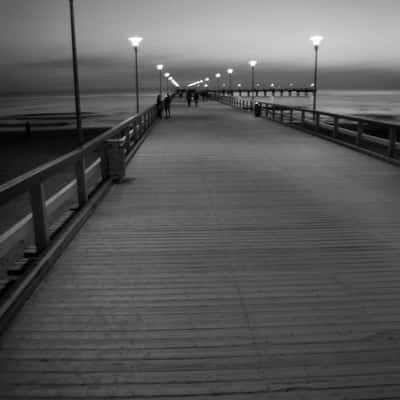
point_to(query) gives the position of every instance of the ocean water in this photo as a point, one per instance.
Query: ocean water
(107, 109)
(50, 111)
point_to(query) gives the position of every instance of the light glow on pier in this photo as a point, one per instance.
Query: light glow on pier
(195, 83)
(160, 67)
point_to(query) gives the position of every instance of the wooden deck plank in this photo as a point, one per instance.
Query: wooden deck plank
(241, 259)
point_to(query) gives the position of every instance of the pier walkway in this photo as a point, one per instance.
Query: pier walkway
(241, 259)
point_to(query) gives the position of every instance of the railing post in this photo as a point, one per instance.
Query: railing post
(316, 118)
(266, 111)
(38, 205)
(273, 112)
(303, 116)
(81, 181)
(291, 116)
(282, 113)
(392, 142)
(360, 129)
(335, 126)
(104, 163)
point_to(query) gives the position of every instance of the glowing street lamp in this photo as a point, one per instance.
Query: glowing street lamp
(253, 64)
(316, 41)
(135, 41)
(166, 75)
(230, 72)
(217, 76)
(76, 76)
(160, 67)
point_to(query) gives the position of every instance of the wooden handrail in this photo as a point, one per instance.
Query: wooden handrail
(23, 182)
(32, 181)
(320, 126)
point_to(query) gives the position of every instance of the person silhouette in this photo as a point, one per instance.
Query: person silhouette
(196, 98)
(189, 98)
(159, 106)
(167, 106)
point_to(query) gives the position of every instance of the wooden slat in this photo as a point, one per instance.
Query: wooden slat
(239, 260)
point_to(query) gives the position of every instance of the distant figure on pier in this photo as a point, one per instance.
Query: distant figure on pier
(28, 128)
(167, 106)
(196, 98)
(189, 98)
(159, 106)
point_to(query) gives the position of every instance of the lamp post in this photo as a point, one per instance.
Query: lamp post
(230, 72)
(166, 75)
(252, 65)
(316, 40)
(135, 41)
(217, 76)
(76, 76)
(160, 68)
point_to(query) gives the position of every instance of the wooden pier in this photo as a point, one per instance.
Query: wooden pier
(239, 259)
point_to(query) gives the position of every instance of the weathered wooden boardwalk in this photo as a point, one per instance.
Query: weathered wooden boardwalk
(240, 260)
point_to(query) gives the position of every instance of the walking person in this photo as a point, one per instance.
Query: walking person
(189, 98)
(159, 106)
(28, 128)
(196, 98)
(167, 106)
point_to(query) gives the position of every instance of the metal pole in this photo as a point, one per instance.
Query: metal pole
(167, 86)
(230, 82)
(252, 83)
(315, 78)
(137, 80)
(160, 82)
(76, 76)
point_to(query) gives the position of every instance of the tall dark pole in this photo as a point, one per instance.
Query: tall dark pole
(137, 79)
(315, 78)
(160, 82)
(252, 83)
(230, 82)
(76, 76)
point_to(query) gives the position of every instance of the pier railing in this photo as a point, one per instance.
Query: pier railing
(35, 230)
(375, 137)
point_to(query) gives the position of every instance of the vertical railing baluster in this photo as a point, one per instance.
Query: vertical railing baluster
(317, 120)
(39, 216)
(81, 184)
(291, 116)
(303, 116)
(335, 126)
(104, 163)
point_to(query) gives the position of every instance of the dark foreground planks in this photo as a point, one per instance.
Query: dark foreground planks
(241, 260)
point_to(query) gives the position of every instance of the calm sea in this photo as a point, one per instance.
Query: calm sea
(107, 109)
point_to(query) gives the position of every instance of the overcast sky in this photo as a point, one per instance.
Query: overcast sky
(196, 38)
